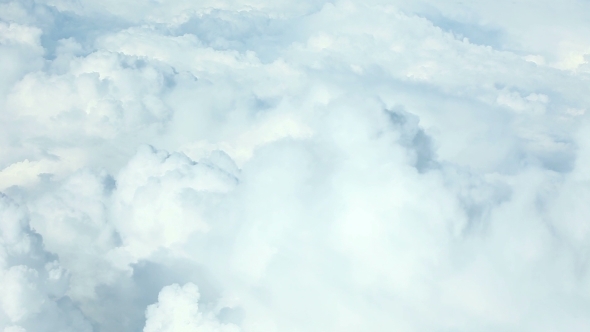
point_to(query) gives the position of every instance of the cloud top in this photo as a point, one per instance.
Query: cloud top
(293, 166)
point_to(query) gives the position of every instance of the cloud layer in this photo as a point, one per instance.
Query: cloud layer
(224, 166)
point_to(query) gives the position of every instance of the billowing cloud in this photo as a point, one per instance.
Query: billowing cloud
(34, 284)
(178, 310)
(294, 166)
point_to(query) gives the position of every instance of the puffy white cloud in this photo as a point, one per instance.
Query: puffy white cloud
(159, 198)
(178, 310)
(297, 166)
(34, 284)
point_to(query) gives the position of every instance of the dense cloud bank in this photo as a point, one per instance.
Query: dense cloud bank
(225, 166)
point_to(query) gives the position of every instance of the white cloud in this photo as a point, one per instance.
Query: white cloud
(178, 310)
(297, 166)
(34, 285)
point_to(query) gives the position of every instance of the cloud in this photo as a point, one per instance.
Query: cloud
(325, 166)
(34, 284)
(178, 310)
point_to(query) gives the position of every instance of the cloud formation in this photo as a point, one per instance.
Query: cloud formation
(178, 310)
(294, 166)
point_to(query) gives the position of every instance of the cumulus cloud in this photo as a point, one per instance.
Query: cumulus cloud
(34, 284)
(294, 166)
(178, 310)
